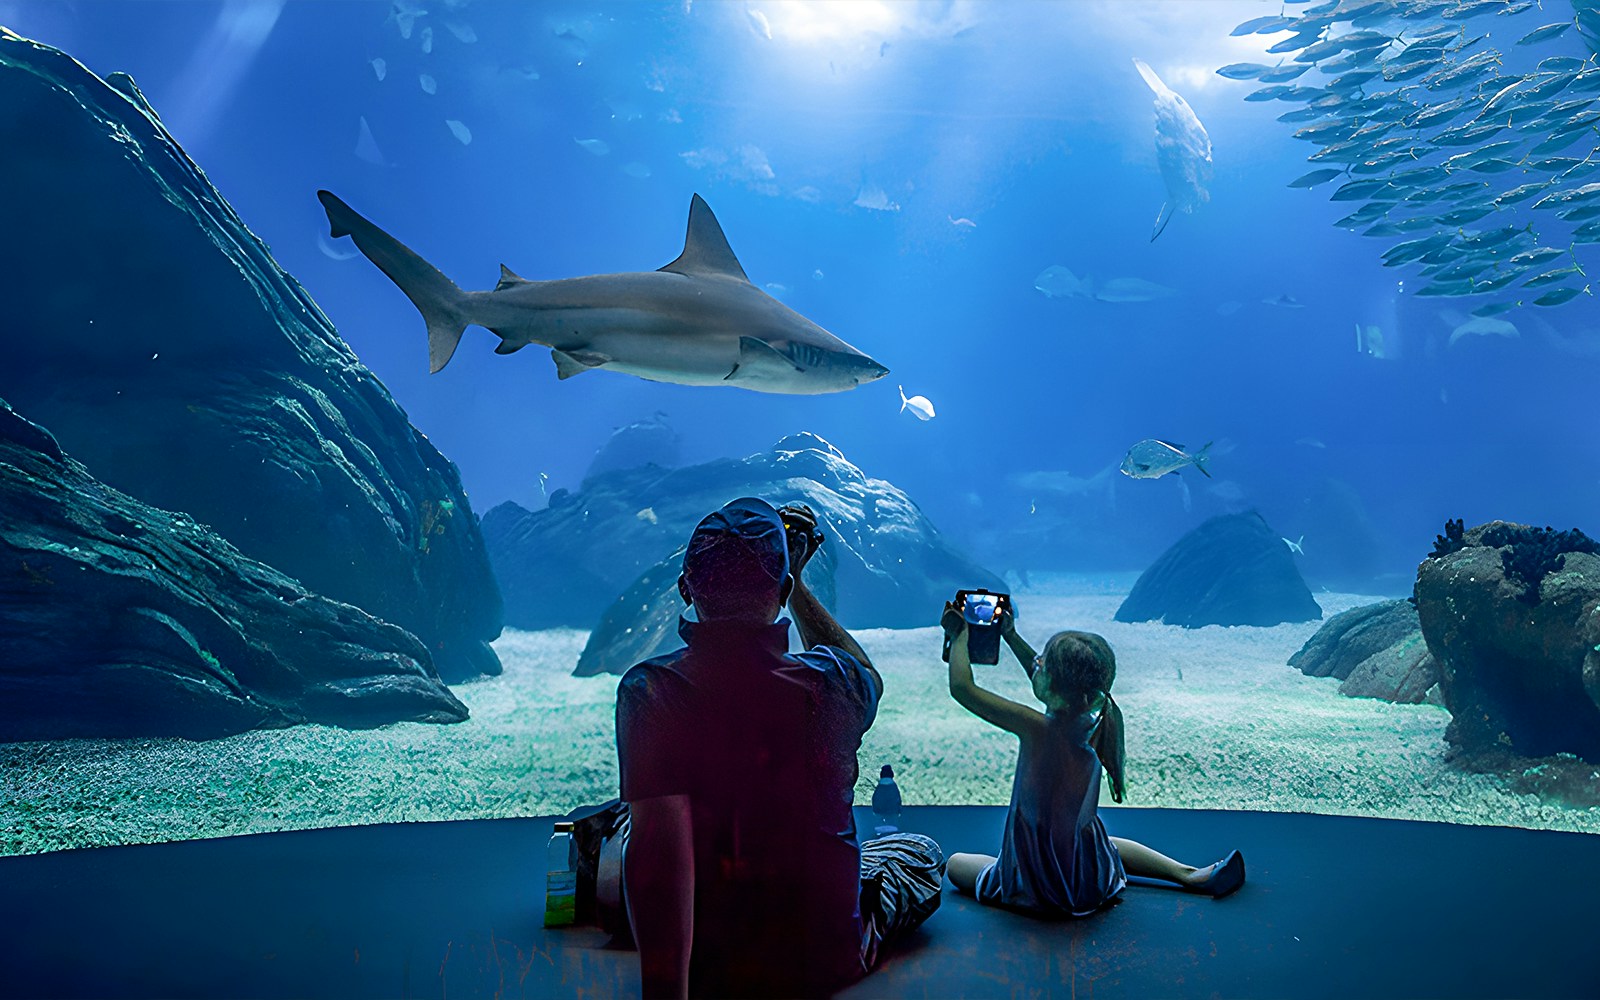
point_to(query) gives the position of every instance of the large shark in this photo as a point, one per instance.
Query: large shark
(697, 321)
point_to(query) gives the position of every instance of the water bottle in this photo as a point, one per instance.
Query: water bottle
(561, 879)
(886, 803)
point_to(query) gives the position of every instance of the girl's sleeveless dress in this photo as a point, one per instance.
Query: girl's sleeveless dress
(1055, 858)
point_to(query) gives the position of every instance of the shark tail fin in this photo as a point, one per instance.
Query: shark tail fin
(1201, 457)
(1162, 218)
(440, 301)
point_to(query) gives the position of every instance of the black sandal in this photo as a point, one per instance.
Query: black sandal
(1226, 877)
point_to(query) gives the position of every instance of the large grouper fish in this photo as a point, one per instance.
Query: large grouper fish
(697, 321)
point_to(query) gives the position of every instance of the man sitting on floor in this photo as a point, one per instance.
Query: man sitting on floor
(742, 873)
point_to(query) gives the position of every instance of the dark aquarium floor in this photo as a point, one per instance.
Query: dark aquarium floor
(1335, 907)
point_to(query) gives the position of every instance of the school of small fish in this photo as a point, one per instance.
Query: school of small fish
(1479, 173)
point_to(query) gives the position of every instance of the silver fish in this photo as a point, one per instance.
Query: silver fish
(1551, 277)
(1556, 296)
(1262, 25)
(1294, 43)
(1540, 34)
(1152, 459)
(1242, 71)
(1315, 177)
(1523, 193)
(1569, 196)
(1271, 93)
(1280, 74)
(1582, 213)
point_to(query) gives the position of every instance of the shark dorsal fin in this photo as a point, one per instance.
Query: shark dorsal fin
(510, 279)
(705, 249)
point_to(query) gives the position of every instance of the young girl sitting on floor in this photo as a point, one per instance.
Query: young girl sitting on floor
(1056, 858)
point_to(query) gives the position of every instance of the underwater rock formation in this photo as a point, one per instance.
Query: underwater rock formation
(156, 337)
(1231, 570)
(650, 441)
(1377, 651)
(566, 564)
(119, 620)
(1512, 614)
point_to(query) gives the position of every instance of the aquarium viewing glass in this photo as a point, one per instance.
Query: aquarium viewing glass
(1190, 324)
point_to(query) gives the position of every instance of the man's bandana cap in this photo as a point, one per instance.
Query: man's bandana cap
(743, 535)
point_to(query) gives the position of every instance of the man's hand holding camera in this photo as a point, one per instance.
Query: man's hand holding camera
(817, 627)
(803, 537)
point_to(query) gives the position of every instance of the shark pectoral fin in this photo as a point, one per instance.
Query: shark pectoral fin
(705, 249)
(570, 363)
(756, 354)
(507, 347)
(510, 279)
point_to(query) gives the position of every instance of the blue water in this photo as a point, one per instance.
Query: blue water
(1028, 119)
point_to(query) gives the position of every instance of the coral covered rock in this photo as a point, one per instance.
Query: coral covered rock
(566, 564)
(156, 337)
(1231, 570)
(118, 619)
(1512, 615)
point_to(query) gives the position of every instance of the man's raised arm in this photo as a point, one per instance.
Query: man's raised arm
(817, 627)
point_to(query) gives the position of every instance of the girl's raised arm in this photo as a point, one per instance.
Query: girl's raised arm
(986, 705)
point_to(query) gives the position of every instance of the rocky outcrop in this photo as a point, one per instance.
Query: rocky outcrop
(1231, 570)
(118, 620)
(1512, 614)
(1377, 651)
(650, 441)
(566, 564)
(155, 336)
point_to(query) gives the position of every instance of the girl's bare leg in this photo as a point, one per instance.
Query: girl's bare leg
(964, 870)
(1140, 860)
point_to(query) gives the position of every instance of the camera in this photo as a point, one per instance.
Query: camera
(795, 524)
(982, 611)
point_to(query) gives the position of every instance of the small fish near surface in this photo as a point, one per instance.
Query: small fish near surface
(696, 321)
(1152, 459)
(920, 406)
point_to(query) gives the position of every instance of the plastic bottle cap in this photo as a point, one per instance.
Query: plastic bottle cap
(887, 772)
(563, 826)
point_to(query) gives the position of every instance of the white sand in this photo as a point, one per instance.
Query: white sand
(1214, 720)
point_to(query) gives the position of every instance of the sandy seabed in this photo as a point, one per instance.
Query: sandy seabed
(1215, 720)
